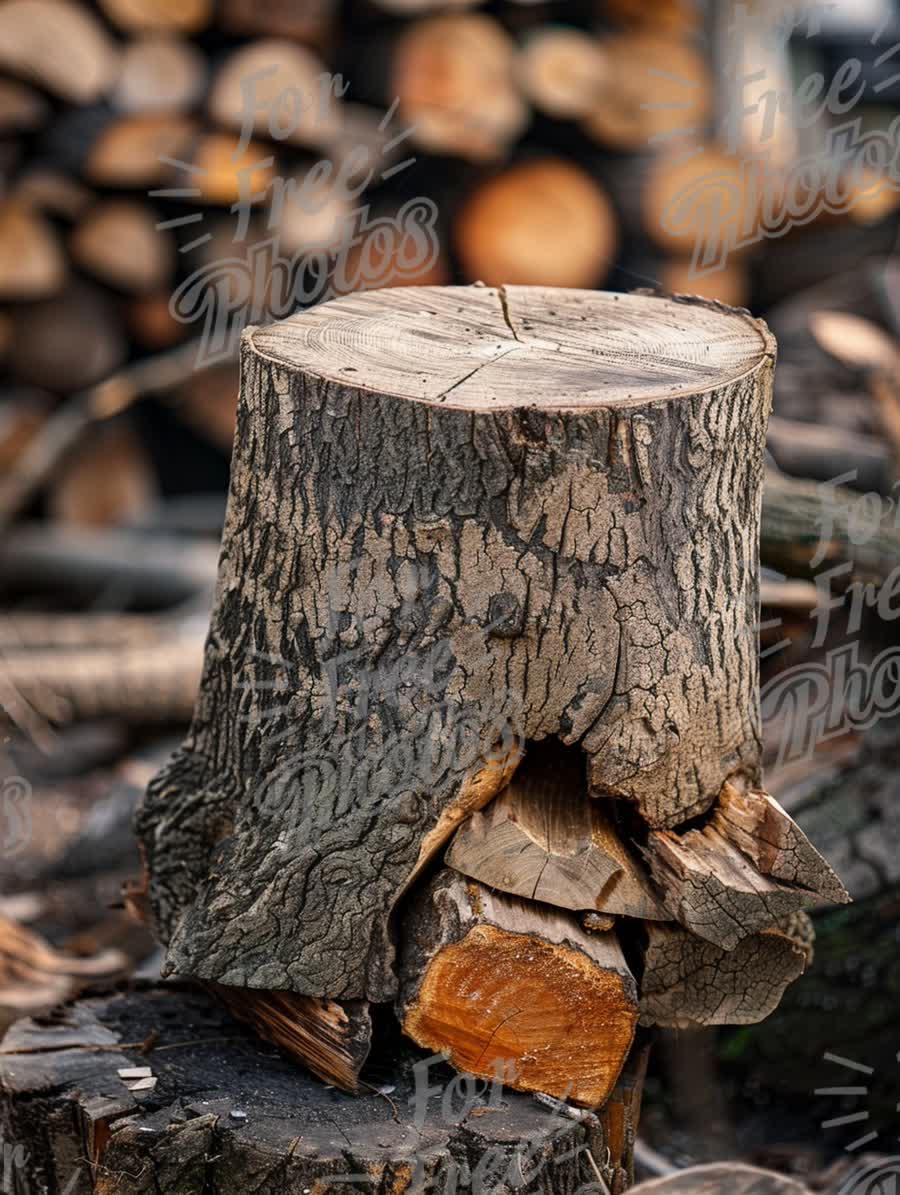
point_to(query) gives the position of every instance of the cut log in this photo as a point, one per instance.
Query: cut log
(227, 1109)
(22, 109)
(59, 45)
(819, 452)
(511, 989)
(497, 468)
(662, 16)
(453, 75)
(67, 342)
(562, 71)
(158, 16)
(730, 285)
(688, 982)
(159, 73)
(223, 173)
(545, 839)
(136, 684)
(332, 1040)
(309, 22)
(658, 91)
(52, 192)
(32, 265)
(107, 483)
(808, 528)
(131, 152)
(280, 90)
(698, 197)
(542, 223)
(722, 1178)
(119, 243)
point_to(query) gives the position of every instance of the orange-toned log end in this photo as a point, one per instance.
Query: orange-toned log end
(534, 1001)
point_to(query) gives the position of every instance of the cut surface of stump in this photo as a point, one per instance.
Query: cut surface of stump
(460, 519)
(229, 1113)
(506, 987)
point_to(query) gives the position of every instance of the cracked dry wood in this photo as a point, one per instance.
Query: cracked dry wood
(510, 988)
(82, 1131)
(331, 1039)
(746, 869)
(689, 982)
(545, 839)
(457, 518)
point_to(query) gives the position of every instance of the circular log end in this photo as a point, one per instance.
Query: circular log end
(481, 348)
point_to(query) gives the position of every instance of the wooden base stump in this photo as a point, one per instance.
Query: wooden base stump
(221, 1111)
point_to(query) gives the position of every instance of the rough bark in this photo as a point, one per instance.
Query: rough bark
(228, 1115)
(512, 988)
(689, 982)
(459, 519)
(730, 880)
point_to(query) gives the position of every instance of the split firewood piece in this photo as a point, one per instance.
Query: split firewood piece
(329, 1038)
(108, 482)
(658, 90)
(137, 684)
(730, 284)
(722, 1178)
(223, 172)
(52, 192)
(688, 982)
(22, 109)
(119, 243)
(61, 46)
(159, 73)
(562, 71)
(676, 205)
(158, 16)
(545, 839)
(281, 89)
(766, 834)
(677, 17)
(741, 873)
(516, 991)
(34, 977)
(130, 152)
(541, 223)
(70, 340)
(454, 77)
(32, 265)
(310, 22)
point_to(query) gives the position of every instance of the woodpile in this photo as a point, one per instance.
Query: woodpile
(533, 869)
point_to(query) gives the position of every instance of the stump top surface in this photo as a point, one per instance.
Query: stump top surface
(481, 348)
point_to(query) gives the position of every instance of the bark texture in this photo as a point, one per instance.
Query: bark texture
(459, 519)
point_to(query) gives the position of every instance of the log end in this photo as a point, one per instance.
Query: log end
(539, 1014)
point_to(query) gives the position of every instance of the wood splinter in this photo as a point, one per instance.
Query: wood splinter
(748, 868)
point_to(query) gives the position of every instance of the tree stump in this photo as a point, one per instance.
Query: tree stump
(219, 1110)
(477, 533)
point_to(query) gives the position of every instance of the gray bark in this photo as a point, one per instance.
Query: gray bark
(459, 518)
